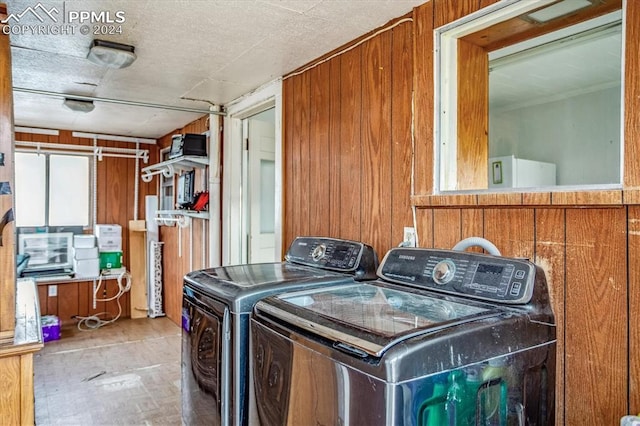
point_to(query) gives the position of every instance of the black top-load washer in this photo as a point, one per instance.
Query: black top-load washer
(217, 303)
(442, 338)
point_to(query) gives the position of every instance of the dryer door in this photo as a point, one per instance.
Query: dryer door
(202, 341)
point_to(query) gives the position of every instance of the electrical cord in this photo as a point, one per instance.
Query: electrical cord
(93, 322)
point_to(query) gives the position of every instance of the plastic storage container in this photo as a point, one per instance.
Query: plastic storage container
(50, 328)
(86, 268)
(107, 244)
(84, 241)
(85, 253)
(110, 260)
(108, 231)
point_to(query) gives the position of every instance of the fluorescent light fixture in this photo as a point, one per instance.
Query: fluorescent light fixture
(37, 130)
(111, 54)
(112, 137)
(557, 10)
(78, 105)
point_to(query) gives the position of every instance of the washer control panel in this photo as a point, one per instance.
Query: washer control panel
(327, 253)
(481, 276)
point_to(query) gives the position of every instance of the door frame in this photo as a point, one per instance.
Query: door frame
(265, 97)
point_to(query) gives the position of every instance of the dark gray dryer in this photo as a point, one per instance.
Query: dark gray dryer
(217, 303)
(443, 337)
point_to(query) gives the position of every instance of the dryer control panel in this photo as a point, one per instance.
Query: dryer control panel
(334, 254)
(481, 276)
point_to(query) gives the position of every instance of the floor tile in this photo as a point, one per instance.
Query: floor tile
(125, 373)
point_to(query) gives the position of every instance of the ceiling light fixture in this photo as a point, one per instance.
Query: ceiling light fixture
(111, 54)
(557, 10)
(78, 105)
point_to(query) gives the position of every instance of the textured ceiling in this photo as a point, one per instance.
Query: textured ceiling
(580, 59)
(190, 54)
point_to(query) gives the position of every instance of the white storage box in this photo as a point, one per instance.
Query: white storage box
(108, 231)
(85, 253)
(86, 268)
(84, 241)
(110, 244)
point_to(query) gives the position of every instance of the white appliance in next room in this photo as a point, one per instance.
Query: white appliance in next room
(511, 172)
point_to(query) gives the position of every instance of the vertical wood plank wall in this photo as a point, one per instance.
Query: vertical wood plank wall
(588, 253)
(182, 244)
(7, 234)
(583, 252)
(115, 204)
(116, 177)
(473, 123)
(345, 168)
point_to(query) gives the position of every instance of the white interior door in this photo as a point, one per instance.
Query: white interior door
(235, 199)
(261, 188)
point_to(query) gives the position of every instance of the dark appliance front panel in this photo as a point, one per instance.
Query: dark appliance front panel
(202, 337)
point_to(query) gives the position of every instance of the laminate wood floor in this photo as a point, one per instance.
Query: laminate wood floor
(126, 373)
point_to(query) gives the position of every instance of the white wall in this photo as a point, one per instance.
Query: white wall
(268, 116)
(581, 135)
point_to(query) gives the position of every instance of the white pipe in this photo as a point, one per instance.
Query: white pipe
(55, 151)
(95, 183)
(191, 248)
(135, 185)
(203, 260)
(214, 189)
(80, 148)
(114, 101)
(95, 288)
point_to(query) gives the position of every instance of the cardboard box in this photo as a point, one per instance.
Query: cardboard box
(85, 253)
(110, 260)
(50, 328)
(108, 231)
(86, 268)
(84, 241)
(109, 244)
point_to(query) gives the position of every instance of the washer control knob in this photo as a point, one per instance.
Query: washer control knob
(443, 272)
(318, 252)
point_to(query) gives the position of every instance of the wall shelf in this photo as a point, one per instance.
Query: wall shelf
(181, 217)
(174, 166)
(62, 279)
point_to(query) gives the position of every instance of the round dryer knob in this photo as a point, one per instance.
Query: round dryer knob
(443, 272)
(318, 252)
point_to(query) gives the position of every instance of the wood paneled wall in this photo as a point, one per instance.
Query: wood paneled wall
(7, 233)
(115, 205)
(584, 254)
(348, 143)
(183, 247)
(337, 162)
(473, 118)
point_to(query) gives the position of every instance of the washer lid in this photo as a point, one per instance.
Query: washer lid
(240, 286)
(370, 318)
